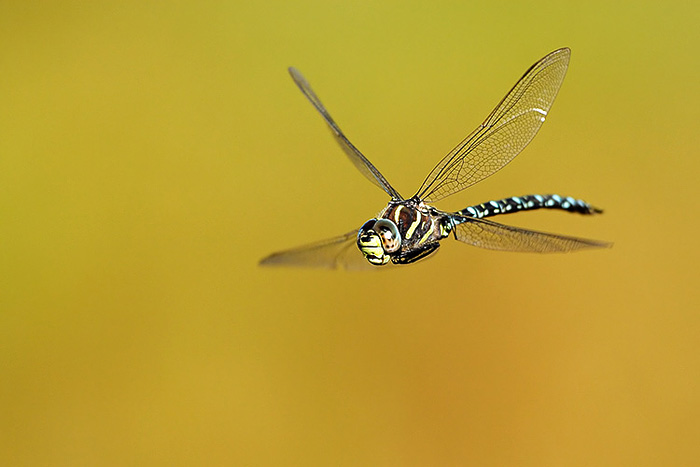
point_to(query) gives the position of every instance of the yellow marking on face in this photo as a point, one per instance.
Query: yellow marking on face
(378, 261)
(414, 225)
(373, 251)
(373, 242)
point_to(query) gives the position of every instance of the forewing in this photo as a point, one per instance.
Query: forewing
(504, 133)
(494, 236)
(338, 252)
(361, 162)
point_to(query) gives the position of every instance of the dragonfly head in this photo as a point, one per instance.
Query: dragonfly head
(377, 239)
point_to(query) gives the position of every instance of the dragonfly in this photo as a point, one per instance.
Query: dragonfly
(410, 229)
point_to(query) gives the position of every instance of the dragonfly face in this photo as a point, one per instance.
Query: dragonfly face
(377, 239)
(408, 230)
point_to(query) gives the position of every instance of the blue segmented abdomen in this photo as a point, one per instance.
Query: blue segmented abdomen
(528, 202)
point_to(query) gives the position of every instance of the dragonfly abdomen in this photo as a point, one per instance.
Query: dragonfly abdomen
(527, 203)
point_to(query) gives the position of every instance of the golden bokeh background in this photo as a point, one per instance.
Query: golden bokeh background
(152, 152)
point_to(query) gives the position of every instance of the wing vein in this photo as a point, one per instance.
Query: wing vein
(486, 150)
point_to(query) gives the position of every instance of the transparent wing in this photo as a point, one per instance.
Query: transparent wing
(494, 236)
(360, 161)
(504, 133)
(333, 253)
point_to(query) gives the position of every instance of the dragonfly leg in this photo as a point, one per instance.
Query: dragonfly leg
(415, 254)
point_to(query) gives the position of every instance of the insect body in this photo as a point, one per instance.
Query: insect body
(405, 232)
(408, 230)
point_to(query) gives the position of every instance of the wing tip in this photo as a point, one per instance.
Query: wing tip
(268, 260)
(586, 244)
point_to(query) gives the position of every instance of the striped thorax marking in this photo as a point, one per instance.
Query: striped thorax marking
(397, 214)
(416, 222)
(426, 237)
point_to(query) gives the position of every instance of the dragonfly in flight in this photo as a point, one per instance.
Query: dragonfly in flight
(408, 230)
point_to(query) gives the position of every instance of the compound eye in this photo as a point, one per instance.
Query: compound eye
(389, 233)
(368, 225)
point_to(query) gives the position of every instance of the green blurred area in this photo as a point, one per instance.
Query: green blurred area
(152, 153)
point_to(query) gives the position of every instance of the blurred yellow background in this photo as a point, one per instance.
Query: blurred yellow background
(152, 152)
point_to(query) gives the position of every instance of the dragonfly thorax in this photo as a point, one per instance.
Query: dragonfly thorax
(403, 232)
